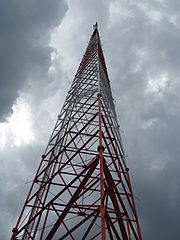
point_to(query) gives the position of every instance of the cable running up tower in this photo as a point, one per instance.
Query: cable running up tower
(82, 187)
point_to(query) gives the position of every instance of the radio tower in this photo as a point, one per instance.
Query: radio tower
(82, 188)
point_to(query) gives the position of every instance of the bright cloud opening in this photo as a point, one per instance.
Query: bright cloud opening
(157, 84)
(18, 128)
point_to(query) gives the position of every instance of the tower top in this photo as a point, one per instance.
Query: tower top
(95, 26)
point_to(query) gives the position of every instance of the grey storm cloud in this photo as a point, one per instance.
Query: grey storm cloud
(25, 58)
(25, 28)
(141, 47)
(145, 82)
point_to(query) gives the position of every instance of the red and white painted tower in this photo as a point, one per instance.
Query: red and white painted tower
(82, 187)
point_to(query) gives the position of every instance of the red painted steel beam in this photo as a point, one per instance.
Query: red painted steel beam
(138, 227)
(113, 186)
(121, 168)
(91, 225)
(72, 200)
(59, 193)
(81, 223)
(112, 195)
(59, 170)
(111, 224)
(100, 149)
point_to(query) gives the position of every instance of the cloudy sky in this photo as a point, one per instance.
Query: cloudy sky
(41, 45)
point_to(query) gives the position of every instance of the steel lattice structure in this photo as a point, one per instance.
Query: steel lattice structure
(82, 188)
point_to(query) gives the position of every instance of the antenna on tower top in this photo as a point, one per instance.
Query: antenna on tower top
(95, 26)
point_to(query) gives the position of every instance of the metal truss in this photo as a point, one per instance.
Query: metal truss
(82, 188)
